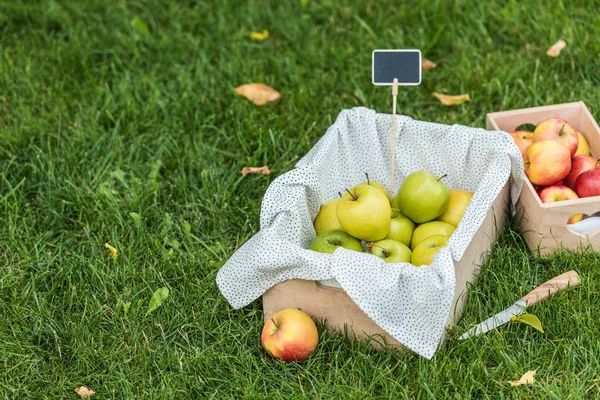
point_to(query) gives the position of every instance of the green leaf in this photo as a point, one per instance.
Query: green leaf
(119, 175)
(304, 3)
(525, 127)
(157, 298)
(140, 25)
(136, 217)
(126, 307)
(529, 319)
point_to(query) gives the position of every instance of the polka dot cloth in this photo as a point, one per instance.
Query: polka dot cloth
(411, 304)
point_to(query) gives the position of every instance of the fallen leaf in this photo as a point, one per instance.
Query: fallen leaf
(259, 93)
(84, 392)
(113, 251)
(260, 35)
(256, 170)
(157, 298)
(139, 25)
(529, 319)
(126, 308)
(526, 379)
(451, 100)
(554, 51)
(426, 64)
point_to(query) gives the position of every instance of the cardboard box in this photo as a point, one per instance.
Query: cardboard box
(544, 225)
(339, 312)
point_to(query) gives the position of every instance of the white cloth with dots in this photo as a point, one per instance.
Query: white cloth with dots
(411, 304)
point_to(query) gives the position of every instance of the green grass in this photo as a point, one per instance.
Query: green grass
(99, 120)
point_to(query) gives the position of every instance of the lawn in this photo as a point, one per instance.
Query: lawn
(119, 125)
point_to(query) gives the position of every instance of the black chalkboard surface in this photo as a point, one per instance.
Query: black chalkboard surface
(402, 64)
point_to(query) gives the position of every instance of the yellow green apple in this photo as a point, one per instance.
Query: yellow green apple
(423, 197)
(376, 185)
(424, 252)
(326, 219)
(583, 148)
(428, 229)
(390, 250)
(290, 335)
(547, 162)
(459, 201)
(401, 229)
(365, 213)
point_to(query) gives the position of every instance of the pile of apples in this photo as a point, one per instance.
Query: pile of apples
(410, 227)
(558, 163)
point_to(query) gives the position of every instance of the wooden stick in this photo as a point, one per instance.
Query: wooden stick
(393, 163)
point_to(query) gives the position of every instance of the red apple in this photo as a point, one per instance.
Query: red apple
(522, 140)
(557, 193)
(575, 218)
(290, 335)
(557, 129)
(587, 183)
(579, 164)
(547, 162)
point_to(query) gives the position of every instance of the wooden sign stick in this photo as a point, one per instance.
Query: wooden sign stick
(393, 161)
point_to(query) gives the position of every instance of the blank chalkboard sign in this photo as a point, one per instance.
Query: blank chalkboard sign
(405, 65)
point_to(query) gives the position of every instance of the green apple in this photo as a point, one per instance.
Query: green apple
(431, 228)
(376, 185)
(326, 219)
(401, 229)
(423, 197)
(424, 252)
(459, 201)
(329, 241)
(365, 213)
(390, 250)
(395, 205)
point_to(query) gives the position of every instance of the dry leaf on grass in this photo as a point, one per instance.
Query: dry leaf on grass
(85, 392)
(426, 64)
(113, 251)
(451, 100)
(526, 379)
(260, 35)
(256, 170)
(554, 51)
(259, 93)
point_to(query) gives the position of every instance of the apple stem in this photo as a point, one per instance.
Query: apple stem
(383, 250)
(442, 177)
(353, 196)
(560, 131)
(340, 194)
(368, 181)
(276, 326)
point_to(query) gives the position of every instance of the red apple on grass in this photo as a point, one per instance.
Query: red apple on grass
(290, 335)
(587, 183)
(547, 162)
(579, 164)
(559, 130)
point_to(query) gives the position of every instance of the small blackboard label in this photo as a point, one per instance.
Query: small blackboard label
(402, 64)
